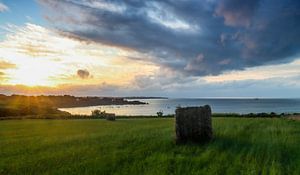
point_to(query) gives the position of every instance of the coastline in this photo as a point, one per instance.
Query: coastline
(67, 116)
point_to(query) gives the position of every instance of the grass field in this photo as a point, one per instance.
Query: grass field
(146, 146)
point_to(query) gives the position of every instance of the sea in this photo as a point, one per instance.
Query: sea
(218, 105)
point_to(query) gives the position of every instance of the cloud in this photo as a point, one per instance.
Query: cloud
(83, 74)
(283, 83)
(79, 90)
(6, 65)
(196, 64)
(236, 12)
(3, 7)
(281, 71)
(174, 48)
(174, 33)
(33, 40)
(43, 57)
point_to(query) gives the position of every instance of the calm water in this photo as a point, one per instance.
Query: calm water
(168, 106)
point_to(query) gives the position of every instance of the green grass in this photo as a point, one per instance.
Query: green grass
(146, 146)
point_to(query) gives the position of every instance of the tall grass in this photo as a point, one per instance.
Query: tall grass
(146, 146)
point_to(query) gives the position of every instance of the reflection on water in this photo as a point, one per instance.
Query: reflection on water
(168, 106)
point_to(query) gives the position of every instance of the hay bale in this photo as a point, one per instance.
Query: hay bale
(110, 117)
(193, 124)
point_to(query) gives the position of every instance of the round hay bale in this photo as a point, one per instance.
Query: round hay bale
(193, 124)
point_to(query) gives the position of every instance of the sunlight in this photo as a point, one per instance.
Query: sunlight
(34, 73)
(45, 58)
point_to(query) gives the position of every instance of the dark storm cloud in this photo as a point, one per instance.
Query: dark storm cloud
(83, 74)
(226, 34)
(237, 12)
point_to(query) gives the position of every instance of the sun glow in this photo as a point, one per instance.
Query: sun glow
(45, 58)
(35, 73)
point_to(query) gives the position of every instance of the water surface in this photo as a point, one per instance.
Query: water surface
(168, 106)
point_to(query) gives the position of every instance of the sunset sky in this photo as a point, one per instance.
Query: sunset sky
(173, 48)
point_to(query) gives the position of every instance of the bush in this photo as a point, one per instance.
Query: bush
(102, 114)
(160, 114)
(98, 113)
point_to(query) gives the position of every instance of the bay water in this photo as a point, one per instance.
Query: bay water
(218, 105)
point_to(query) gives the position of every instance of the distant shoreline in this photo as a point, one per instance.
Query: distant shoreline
(20, 105)
(130, 98)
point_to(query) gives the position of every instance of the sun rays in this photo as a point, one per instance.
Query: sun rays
(43, 57)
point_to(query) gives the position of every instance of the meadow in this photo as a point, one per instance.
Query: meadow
(146, 146)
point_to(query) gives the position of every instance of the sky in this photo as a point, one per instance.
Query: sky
(171, 48)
